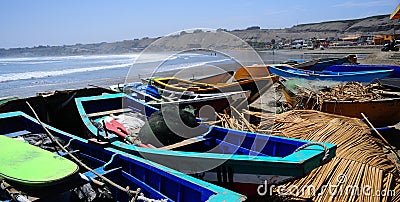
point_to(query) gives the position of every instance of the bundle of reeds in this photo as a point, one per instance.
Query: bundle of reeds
(360, 158)
(350, 91)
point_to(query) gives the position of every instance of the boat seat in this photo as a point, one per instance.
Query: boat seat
(241, 149)
(115, 111)
(184, 143)
(100, 170)
(18, 133)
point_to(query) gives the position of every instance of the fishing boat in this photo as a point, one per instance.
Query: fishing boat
(326, 62)
(380, 112)
(359, 76)
(211, 79)
(393, 83)
(301, 63)
(256, 85)
(158, 97)
(215, 78)
(4, 100)
(129, 172)
(362, 67)
(236, 159)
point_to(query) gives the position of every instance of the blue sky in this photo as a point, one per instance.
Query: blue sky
(27, 23)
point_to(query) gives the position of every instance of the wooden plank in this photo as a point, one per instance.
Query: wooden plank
(183, 143)
(115, 111)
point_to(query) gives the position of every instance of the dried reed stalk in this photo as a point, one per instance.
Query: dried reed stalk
(350, 91)
(359, 155)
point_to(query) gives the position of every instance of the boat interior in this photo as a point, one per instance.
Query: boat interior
(205, 139)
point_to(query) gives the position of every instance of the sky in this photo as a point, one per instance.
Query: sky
(28, 23)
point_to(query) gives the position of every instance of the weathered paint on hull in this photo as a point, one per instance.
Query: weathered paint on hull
(383, 112)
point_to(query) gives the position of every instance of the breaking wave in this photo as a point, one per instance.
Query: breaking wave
(42, 74)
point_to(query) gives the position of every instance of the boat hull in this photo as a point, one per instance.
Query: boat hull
(393, 83)
(217, 78)
(324, 63)
(360, 67)
(364, 76)
(384, 112)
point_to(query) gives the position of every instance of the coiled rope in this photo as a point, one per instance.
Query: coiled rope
(319, 144)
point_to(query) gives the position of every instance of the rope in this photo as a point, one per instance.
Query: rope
(69, 142)
(130, 192)
(384, 140)
(316, 143)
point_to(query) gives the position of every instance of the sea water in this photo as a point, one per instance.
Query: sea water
(25, 77)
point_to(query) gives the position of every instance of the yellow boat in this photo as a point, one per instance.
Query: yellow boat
(255, 79)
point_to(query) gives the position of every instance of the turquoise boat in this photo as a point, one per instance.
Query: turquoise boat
(236, 159)
(130, 172)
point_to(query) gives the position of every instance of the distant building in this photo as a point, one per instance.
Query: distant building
(381, 39)
(352, 38)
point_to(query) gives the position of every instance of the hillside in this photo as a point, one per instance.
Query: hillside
(330, 30)
(333, 29)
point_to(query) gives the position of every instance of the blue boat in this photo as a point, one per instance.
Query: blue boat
(326, 62)
(359, 76)
(362, 67)
(131, 172)
(236, 159)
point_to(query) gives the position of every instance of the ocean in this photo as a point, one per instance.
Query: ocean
(25, 77)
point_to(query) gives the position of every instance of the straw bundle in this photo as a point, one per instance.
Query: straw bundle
(350, 91)
(359, 157)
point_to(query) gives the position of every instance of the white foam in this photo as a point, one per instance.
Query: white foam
(144, 58)
(45, 58)
(42, 74)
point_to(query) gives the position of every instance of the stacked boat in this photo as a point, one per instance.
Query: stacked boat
(221, 91)
(382, 111)
(335, 69)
